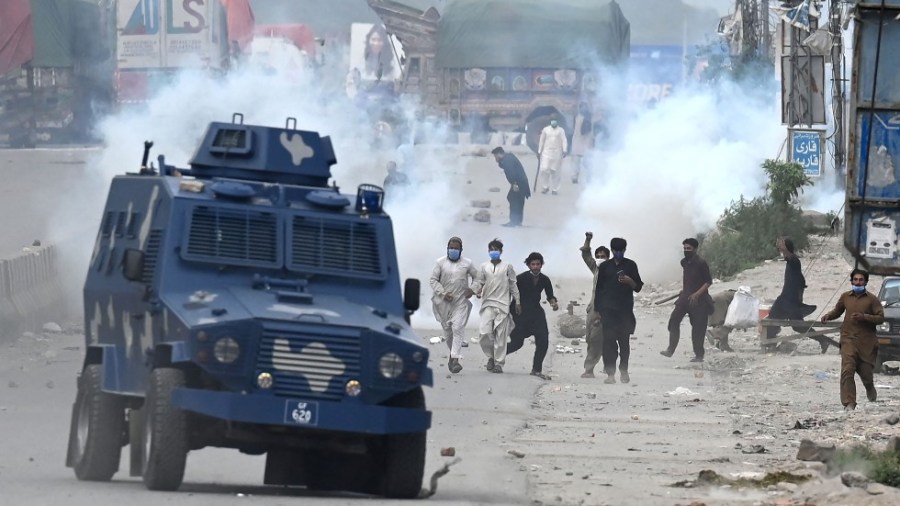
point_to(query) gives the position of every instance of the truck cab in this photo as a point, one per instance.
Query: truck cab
(245, 303)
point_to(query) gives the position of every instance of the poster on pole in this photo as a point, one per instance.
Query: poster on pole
(807, 148)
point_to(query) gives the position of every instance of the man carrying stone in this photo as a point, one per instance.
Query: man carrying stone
(450, 281)
(617, 281)
(694, 301)
(859, 346)
(593, 330)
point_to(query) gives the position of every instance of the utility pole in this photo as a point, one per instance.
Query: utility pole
(837, 87)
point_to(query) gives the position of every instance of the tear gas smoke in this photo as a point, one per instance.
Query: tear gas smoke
(266, 93)
(666, 173)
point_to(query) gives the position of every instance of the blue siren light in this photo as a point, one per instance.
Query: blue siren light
(369, 198)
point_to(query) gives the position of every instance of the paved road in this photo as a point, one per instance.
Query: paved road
(37, 387)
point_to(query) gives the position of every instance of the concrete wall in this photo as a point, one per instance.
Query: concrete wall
(30, 291)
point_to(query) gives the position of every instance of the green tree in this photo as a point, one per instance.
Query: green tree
(748, 228)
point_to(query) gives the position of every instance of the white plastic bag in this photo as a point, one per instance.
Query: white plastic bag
(743, 312)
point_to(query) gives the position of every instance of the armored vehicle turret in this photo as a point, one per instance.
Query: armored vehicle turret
(242, 302)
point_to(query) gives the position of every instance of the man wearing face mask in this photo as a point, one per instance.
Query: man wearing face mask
(694, 301)
(617, 281)
(859, 346)
(593, 330)
(450, 281)
(552, 148)
(518, 185)
(495, 285)
(533, 320)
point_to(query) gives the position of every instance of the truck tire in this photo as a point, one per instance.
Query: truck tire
(98, 428)
(165, 432)
(403, 458)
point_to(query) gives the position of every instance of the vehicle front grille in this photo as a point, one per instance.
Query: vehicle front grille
(335, 246)
(248, 237)
(895, 328)
(308, 365)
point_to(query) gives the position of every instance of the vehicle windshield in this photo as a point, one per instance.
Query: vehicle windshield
(890, 293)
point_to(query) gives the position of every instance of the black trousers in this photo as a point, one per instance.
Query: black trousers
(616, 334)
(699, 318)
(541, 342)
(516, 206)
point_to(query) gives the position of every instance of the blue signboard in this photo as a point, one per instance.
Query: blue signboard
(806, 149)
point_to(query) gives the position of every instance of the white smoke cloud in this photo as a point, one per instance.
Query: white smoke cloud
(177, 116)
(671, 171)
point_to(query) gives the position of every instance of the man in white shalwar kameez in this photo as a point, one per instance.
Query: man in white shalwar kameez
(450, 280)
(552, 148)
(496, 286)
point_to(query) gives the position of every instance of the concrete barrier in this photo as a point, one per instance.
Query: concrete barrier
(30, 290)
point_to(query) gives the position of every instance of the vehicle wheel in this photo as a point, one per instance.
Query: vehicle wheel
(99, 425)
(403, 464)
(165, 432)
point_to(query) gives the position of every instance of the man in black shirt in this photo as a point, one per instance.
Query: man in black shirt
(533, 321)
(694, 301)
(518, 185)
(617, 281)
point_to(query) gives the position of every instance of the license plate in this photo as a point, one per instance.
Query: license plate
(301, 412)
(884, 341)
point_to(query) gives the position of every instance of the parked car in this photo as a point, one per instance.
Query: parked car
(889, 332)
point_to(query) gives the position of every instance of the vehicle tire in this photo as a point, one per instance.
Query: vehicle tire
(165, 432)
(403, 458)
(99, 427)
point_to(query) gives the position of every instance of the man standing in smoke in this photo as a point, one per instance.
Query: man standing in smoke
(450, 281)
(533, 320)
(694, 301)
(617, 281)
(552, 148)
(518, 185)
(593, 331)
(582, 139)
(496, 286)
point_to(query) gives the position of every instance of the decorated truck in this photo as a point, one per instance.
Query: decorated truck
(55, 70)
(155, 39)
(497, 65)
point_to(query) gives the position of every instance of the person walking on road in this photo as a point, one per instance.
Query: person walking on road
(694, 301)
(593, 330)
(582, 139)
(859, 346)
(450, 280)
(495, 285)
(533, 320)
(518, 185)
(617, 282)
(552, 148)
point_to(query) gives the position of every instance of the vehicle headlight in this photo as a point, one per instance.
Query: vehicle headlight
(885, 327)
(390, 365)
(226, 350)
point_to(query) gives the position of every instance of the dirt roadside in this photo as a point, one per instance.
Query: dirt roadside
(735, 414)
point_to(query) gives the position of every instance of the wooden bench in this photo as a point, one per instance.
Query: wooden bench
(815, 330)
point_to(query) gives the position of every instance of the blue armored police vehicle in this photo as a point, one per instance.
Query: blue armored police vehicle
(245, 303)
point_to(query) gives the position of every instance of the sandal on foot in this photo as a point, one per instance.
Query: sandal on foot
(540, 375)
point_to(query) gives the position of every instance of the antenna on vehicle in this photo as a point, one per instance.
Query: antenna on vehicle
(145, 170)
